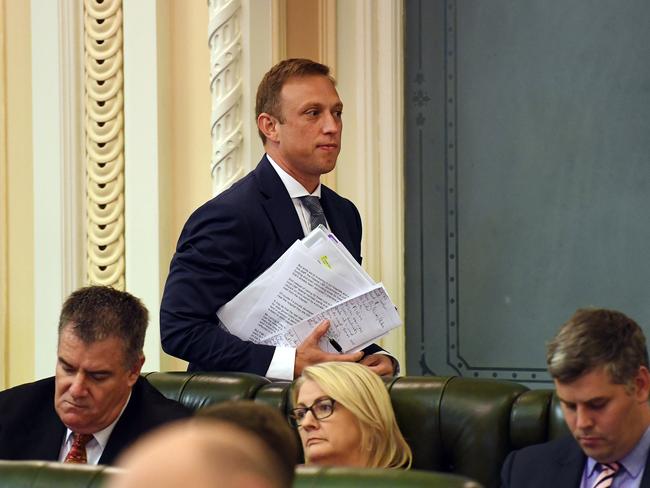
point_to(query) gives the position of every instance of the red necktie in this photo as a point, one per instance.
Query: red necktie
(77, 454)
(606, 476)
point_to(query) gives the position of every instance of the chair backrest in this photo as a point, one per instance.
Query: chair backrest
(198, 390)
(307, 477)
(456, 425)
(40, 474)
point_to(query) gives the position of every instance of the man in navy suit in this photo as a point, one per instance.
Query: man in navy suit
(97, 404)
(236, 236)
(599, 362)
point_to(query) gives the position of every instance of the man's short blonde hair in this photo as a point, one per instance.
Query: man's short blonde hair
(363, 393)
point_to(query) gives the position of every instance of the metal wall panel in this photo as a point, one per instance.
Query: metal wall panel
(528, 176)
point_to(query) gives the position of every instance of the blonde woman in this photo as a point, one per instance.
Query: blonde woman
(345, 418)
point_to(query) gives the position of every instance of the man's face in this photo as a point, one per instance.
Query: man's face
(607, 419)
(92, 382)
(308, 142)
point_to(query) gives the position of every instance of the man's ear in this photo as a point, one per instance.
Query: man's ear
(267, 124)
(134, 373)
(642, 384)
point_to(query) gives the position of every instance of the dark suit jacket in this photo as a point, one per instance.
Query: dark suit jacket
(30, 428)
(557, 463)
(225, 245)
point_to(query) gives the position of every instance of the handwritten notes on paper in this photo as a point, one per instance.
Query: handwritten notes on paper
(316, 279)
(349, 321)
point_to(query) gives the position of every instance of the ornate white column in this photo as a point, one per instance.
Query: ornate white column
(226, 86)
(104, 123)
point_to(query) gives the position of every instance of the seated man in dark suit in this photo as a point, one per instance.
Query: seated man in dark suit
(599, 362)
(97, 404)
(237, 235)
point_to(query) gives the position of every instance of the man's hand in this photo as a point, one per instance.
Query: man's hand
(381, 364)
(308, 352)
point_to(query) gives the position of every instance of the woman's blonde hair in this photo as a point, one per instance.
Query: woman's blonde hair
(363, 393)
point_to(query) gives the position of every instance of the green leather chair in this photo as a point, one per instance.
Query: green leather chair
(455, 425)
(39, 474)
(307, 477)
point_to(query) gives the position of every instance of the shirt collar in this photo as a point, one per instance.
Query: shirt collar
(102, 436)
(633, 462)
(295, 189)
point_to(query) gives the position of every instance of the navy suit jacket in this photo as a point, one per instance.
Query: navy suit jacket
(557, 463)
(224, 246)
(30, 428)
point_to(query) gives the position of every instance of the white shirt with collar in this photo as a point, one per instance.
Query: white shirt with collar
(95, 447)
(284, 358)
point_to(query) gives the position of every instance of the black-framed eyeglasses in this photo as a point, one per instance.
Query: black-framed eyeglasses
(321, 409)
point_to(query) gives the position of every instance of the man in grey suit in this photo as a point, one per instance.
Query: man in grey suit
(599, 363)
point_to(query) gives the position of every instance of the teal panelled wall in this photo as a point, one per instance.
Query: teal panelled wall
(527, 176)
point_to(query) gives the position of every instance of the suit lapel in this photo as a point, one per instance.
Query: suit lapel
(334, 215)
(43, 435)
(571, 462)
(47, 445)
(338, 220)
(645, 481)
(277, 204)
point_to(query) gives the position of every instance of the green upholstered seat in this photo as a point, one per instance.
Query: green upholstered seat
(41, 474)
(456, 425)
(307, 477)
(197, 390)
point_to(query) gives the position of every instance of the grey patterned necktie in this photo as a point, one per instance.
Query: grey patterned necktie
(316, 214)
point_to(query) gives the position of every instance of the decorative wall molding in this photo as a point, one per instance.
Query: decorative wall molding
(57, 156)
(4, 282)
(327, 44)
(388, 196)
(279, 28)
(370, 168)
(104, 129)
(147, 157)
(226, 86)
(327, 33)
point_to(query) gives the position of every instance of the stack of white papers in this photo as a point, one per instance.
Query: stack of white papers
(315, 279)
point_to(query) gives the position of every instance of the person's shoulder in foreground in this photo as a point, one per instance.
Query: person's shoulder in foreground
(201, 453)
(599, 363)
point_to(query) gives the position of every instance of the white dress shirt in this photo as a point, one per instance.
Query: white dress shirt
(96, 445)
(284, 358)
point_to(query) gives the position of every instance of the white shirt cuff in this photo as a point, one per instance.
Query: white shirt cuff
(282, 364)
(393, 358)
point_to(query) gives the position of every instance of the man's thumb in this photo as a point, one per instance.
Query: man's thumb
(320, 330)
